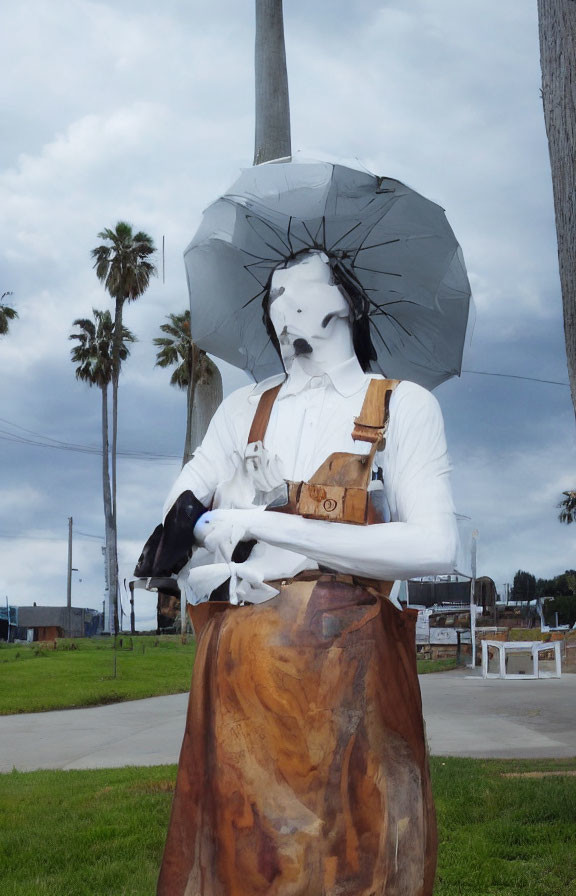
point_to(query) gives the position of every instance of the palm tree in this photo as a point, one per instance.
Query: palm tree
(6, 314)
(567, 508)
(193, 369)
(122, 265)
(93, 355)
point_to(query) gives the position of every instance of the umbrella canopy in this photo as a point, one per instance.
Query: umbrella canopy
(393, 243)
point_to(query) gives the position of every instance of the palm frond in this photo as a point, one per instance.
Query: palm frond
(93, 353)
(7, 313)
(176, 348)
(568, 508)
(121, 263)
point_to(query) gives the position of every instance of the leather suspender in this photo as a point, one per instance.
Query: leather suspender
(369, 426)
(262, 415)
(373, 419)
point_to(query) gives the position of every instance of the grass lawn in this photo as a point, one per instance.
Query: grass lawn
(499, 836)
(426, 666)
(38, 677)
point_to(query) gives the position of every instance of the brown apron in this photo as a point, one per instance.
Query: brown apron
(303, 769)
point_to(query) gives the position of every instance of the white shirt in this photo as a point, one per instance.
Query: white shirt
(313, 417)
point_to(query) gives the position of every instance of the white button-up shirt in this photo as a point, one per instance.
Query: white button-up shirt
(313, 417)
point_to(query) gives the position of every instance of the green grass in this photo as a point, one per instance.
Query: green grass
(101, 833)
(36, 677)
(83, 833)
(426, 666)
(505, 836)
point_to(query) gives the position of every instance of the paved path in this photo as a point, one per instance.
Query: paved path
(465, 716)
(493, 718)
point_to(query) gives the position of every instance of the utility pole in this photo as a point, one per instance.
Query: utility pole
(472, 602)
(272, 138)
(69, 582)
(132, 614)
(108, 605)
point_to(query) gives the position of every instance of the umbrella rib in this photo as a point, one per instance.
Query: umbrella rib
(380, 305)
(289, 234)
(253, 299)
(372, 271)
(344, 235)
(299, 238)
(402, 327)
(259, 258)
(393, 319)
(384, 343)
(369, 231)
(250, 218)
(364, 248)
(262, 350)
(254, 277)
(409, 333)
(312, 240)
(321, 227)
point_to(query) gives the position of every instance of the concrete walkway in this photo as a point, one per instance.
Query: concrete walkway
(465, 716)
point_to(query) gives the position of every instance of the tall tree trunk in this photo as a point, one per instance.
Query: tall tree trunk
(107, 496)
(557, 23)
(272, 101)
(116, 349)
(204, 395)
(190, 393)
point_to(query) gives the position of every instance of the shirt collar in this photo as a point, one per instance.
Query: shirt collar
(347, 378)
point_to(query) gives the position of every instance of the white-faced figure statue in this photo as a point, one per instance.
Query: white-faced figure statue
(303, 768)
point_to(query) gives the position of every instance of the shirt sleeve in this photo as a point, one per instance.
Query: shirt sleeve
(416, 466)
(214, 461)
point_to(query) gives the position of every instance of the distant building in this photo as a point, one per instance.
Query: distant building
(448, 592)
(47, 623)
(439, 593)
(485, 594)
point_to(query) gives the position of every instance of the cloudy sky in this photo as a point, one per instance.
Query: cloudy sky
(144, 112)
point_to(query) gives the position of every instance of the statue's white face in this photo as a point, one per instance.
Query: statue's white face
(310, 316)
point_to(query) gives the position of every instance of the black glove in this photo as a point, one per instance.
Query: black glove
(170, 546)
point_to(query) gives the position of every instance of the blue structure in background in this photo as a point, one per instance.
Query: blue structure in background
(8, 622)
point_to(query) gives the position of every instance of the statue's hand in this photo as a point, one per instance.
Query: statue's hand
(220, 531)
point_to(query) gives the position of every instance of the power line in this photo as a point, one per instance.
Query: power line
(26, 537)
(32, 537)
(47, 442)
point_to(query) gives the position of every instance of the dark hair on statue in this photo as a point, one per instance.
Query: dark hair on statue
(349, 288)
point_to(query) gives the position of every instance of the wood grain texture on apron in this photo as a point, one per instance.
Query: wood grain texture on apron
(303, 768)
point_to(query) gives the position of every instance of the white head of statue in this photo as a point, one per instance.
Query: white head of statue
(310, 316)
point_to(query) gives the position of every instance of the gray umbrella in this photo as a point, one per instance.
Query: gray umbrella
(394, 245)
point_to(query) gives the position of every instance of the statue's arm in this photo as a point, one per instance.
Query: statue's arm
(422, 537)
(170, 546)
